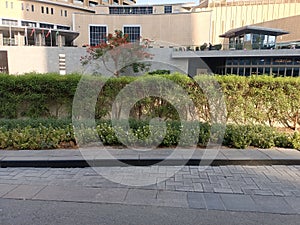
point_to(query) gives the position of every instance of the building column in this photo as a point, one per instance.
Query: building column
(16, 38)
(1, 39)
(39, 39)
(59, 41)
(20, 39)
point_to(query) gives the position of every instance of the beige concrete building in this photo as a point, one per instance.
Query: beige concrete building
(44, 22)
(85, 22)
(63, 23)
(186, 24)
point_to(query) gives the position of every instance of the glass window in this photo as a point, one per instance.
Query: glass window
(134, 33)
(97, 34)
(296, 72)
(131, 10)
(63, 27)
(46, 25)
(52, 11)
(32, 8)
(11, 5)
(66, 13)
(28, 24)
(229, 61)
(254, 61)
(6, 4)
(256, 40)
(42, 9)
(10, 22)
(168, 9)
(235, 61)
(47, 10)
(247, 37)
(261, 61)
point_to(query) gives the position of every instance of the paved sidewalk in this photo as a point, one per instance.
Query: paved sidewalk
(251, 180)
(271, 189)
(165, 157)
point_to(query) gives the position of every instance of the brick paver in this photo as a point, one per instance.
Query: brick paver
(274, 189)
(253, 180)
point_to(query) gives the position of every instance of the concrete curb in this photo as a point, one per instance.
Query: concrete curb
(71, 163)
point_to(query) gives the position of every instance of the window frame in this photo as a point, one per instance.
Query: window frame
(167, 9)
(133, 25)
(96, 25)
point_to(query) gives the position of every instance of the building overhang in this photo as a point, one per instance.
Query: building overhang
(236, 53)
(254, 30)
(31, 31)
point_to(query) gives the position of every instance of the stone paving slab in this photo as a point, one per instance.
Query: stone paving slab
(274, 189)
(258, 180)
(24, 191)
(195, 200)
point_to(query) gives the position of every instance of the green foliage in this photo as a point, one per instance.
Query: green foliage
(296, 141)
(262, 100)
(251, 100)
(159, 72)
(118, 49)
(203, 47)
(36, 138)
(239, 136)
(60, 134)
(33, 95)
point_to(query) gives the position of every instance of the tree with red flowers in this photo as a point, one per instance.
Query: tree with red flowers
(118, 53)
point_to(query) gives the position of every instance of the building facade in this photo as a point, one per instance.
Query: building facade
(79, 22)
(44, 23)
(187, 24)
(177, 28)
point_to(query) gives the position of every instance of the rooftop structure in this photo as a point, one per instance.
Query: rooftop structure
(253, 37)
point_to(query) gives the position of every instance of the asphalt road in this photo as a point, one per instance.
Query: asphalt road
(23, 212)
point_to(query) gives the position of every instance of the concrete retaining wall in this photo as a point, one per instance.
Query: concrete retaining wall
(46, 59)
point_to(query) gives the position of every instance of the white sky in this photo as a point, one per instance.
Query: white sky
(163, 1)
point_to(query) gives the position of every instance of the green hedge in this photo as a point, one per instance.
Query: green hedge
(33, 95)
(249, 100)
(60, 134)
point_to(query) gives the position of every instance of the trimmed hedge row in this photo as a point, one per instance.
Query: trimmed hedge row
(249, 100)
(48, 135)
(36, 95)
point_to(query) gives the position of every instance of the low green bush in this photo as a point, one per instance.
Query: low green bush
(60, 134)
(296, 141)
(238, 136)
(36, 138)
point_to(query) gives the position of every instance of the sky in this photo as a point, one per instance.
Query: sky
(163, 1)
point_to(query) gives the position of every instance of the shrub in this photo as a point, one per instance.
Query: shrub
(203, 47)
(296, 141)
(250, 100)
(61, 135)
(159, 72)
